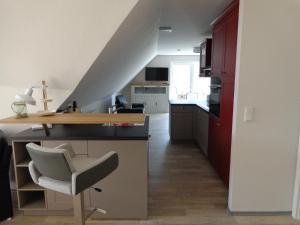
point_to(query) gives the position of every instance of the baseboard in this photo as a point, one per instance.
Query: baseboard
(258, 213)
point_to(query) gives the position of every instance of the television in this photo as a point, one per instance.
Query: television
(157, 74)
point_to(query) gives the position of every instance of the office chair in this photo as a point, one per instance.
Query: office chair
(59, 170)
(121, 106)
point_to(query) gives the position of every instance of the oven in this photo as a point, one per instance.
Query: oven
(215, 95)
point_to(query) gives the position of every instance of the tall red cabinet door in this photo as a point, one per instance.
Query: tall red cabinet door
(223, 65)
(231, 43)
(214, 143)
(218, 49)
(227, 98)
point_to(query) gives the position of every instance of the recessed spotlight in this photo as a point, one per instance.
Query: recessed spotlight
(166, 29)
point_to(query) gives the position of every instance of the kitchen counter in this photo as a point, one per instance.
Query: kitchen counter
(126, 188)
(202, 104)
(88, 132)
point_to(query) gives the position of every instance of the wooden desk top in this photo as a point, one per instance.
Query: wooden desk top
(77, 118)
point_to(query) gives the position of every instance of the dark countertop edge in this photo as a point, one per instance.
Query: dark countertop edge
(104, 138)
(202, 106)
(40, 135)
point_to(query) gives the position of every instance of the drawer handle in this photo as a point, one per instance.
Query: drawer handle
(98, 189)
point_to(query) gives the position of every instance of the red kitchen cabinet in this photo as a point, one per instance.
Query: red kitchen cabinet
(230, 44)
(218, 49)
(223, 66)
(214, 142)
(226, 111)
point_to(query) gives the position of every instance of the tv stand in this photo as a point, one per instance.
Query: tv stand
(154, 96)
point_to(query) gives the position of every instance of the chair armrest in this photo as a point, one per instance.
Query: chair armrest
(81, 180)
(35, 174)
(67, 147)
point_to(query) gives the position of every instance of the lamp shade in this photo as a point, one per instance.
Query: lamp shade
(27, 97)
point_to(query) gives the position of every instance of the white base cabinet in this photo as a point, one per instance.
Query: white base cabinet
(155, 98)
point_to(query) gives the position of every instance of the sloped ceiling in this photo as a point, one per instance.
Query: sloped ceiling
(138, 40)
(55, 40)
(130, 49)
(190, 20)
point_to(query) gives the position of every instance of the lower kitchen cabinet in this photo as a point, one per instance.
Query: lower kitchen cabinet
(182, 126)
(215, 144)
(181, 122)
(189, 122)
(202, 130)
(124, 192)
(220, 147)
(59, 201)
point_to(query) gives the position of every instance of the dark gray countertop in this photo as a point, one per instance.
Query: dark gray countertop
(88, 132)
(202, 104)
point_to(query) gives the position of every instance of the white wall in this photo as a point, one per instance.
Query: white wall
(55, 40)
(264, 151)
(158, 61)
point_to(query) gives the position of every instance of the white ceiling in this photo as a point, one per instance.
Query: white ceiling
(190, 20)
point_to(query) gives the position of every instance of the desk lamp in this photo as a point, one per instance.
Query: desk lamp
(20, 105)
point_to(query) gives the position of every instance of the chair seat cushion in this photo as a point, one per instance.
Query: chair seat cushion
(55, 185)
(79, 163)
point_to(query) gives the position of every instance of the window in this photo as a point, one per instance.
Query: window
(185, 82)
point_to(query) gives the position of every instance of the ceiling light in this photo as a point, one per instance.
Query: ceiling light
(166, 29)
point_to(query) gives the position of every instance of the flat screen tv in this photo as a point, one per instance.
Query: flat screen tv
(157, 74)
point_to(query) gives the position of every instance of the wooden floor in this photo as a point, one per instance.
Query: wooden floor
(184, 189)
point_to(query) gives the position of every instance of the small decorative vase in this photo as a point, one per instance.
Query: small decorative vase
(20, 109)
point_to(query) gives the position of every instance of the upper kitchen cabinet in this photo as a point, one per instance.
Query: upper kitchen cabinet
(205, 58)
(218, 49)
(224, 42)
(231, 43)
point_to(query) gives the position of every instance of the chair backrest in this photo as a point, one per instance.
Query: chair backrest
(121, 101)
(51, 162)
